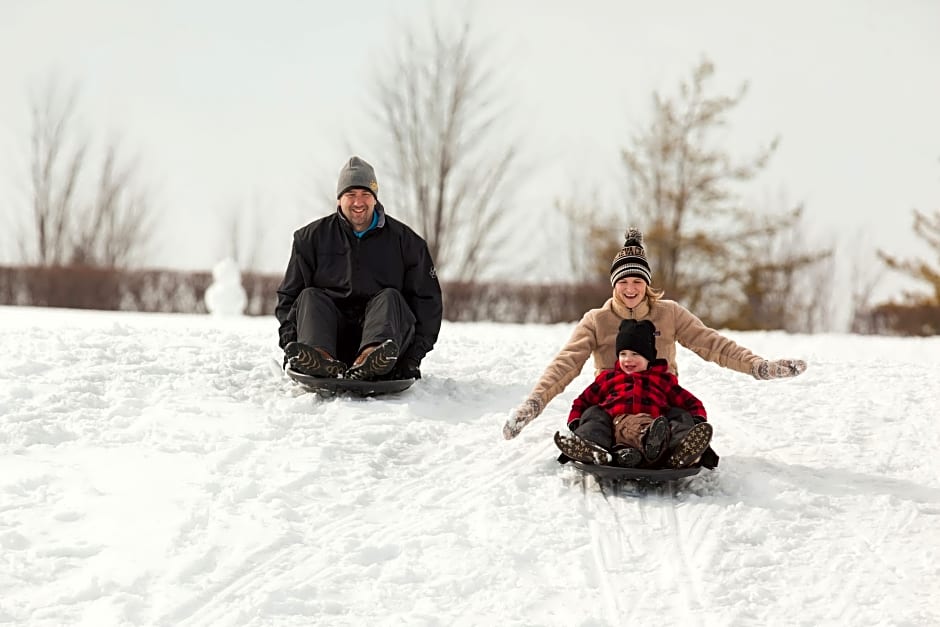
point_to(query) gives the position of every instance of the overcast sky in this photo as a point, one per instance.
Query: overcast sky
(248, 104)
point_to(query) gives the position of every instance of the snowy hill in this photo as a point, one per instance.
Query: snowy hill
(161, 470)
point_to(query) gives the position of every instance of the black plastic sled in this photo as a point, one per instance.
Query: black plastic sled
(352, 387)
(648, 475)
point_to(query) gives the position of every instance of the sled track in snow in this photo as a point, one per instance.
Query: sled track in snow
(210, 605)
(611, 548)
(301, 554)
(609, 543)
(677, 575)
(648, 513)
(686, 580)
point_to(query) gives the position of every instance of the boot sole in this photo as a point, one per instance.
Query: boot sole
(581, 450)
(656, 436)
(692, 446)
(378, 362)
(309, 361)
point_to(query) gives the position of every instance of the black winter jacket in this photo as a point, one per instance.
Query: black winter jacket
(326, 254)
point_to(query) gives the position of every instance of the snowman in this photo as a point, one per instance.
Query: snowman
(226, 296)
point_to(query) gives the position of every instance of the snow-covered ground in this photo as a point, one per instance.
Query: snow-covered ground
(161, 470)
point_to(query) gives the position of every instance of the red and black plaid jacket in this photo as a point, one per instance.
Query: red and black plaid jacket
(652, 391)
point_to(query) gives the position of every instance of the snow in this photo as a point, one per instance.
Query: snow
(161, 470)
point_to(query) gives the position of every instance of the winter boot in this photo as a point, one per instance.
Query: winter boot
(581, 450)
(374, 361)
(628, 457)
(312, 361)
(691, 447)
(657, 434)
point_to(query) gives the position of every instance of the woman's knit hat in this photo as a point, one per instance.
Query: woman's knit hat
(631, 260)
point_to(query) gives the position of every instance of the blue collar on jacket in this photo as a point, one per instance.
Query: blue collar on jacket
(375, 221)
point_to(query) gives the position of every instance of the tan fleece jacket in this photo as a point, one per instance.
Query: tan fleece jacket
(596, 334)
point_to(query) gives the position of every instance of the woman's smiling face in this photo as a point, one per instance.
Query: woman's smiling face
(631, 290)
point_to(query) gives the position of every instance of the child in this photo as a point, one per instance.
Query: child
(621, 416)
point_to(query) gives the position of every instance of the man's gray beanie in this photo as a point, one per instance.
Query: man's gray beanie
(357, 173)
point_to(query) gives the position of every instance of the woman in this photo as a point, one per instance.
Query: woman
(635, 298)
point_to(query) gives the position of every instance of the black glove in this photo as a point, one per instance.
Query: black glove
(286, 362)
(408, 363)
(407, 368)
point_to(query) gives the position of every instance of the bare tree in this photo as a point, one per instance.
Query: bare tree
(683, 191)
(437, 99)
(730, 263)
(916, 313)
(927, 228)
(863, 283)
(115, 225)
(783, 280)
(55, 166)
(69, 223)
(590, 256)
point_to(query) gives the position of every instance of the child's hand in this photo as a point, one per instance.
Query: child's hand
(779, 369)
(522, 415)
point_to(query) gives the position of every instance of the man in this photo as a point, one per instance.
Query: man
(360, 297)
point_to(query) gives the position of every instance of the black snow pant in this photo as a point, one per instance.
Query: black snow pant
(344, 334)
(595, 425)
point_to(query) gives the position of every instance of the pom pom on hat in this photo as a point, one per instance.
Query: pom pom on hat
(631, 259)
